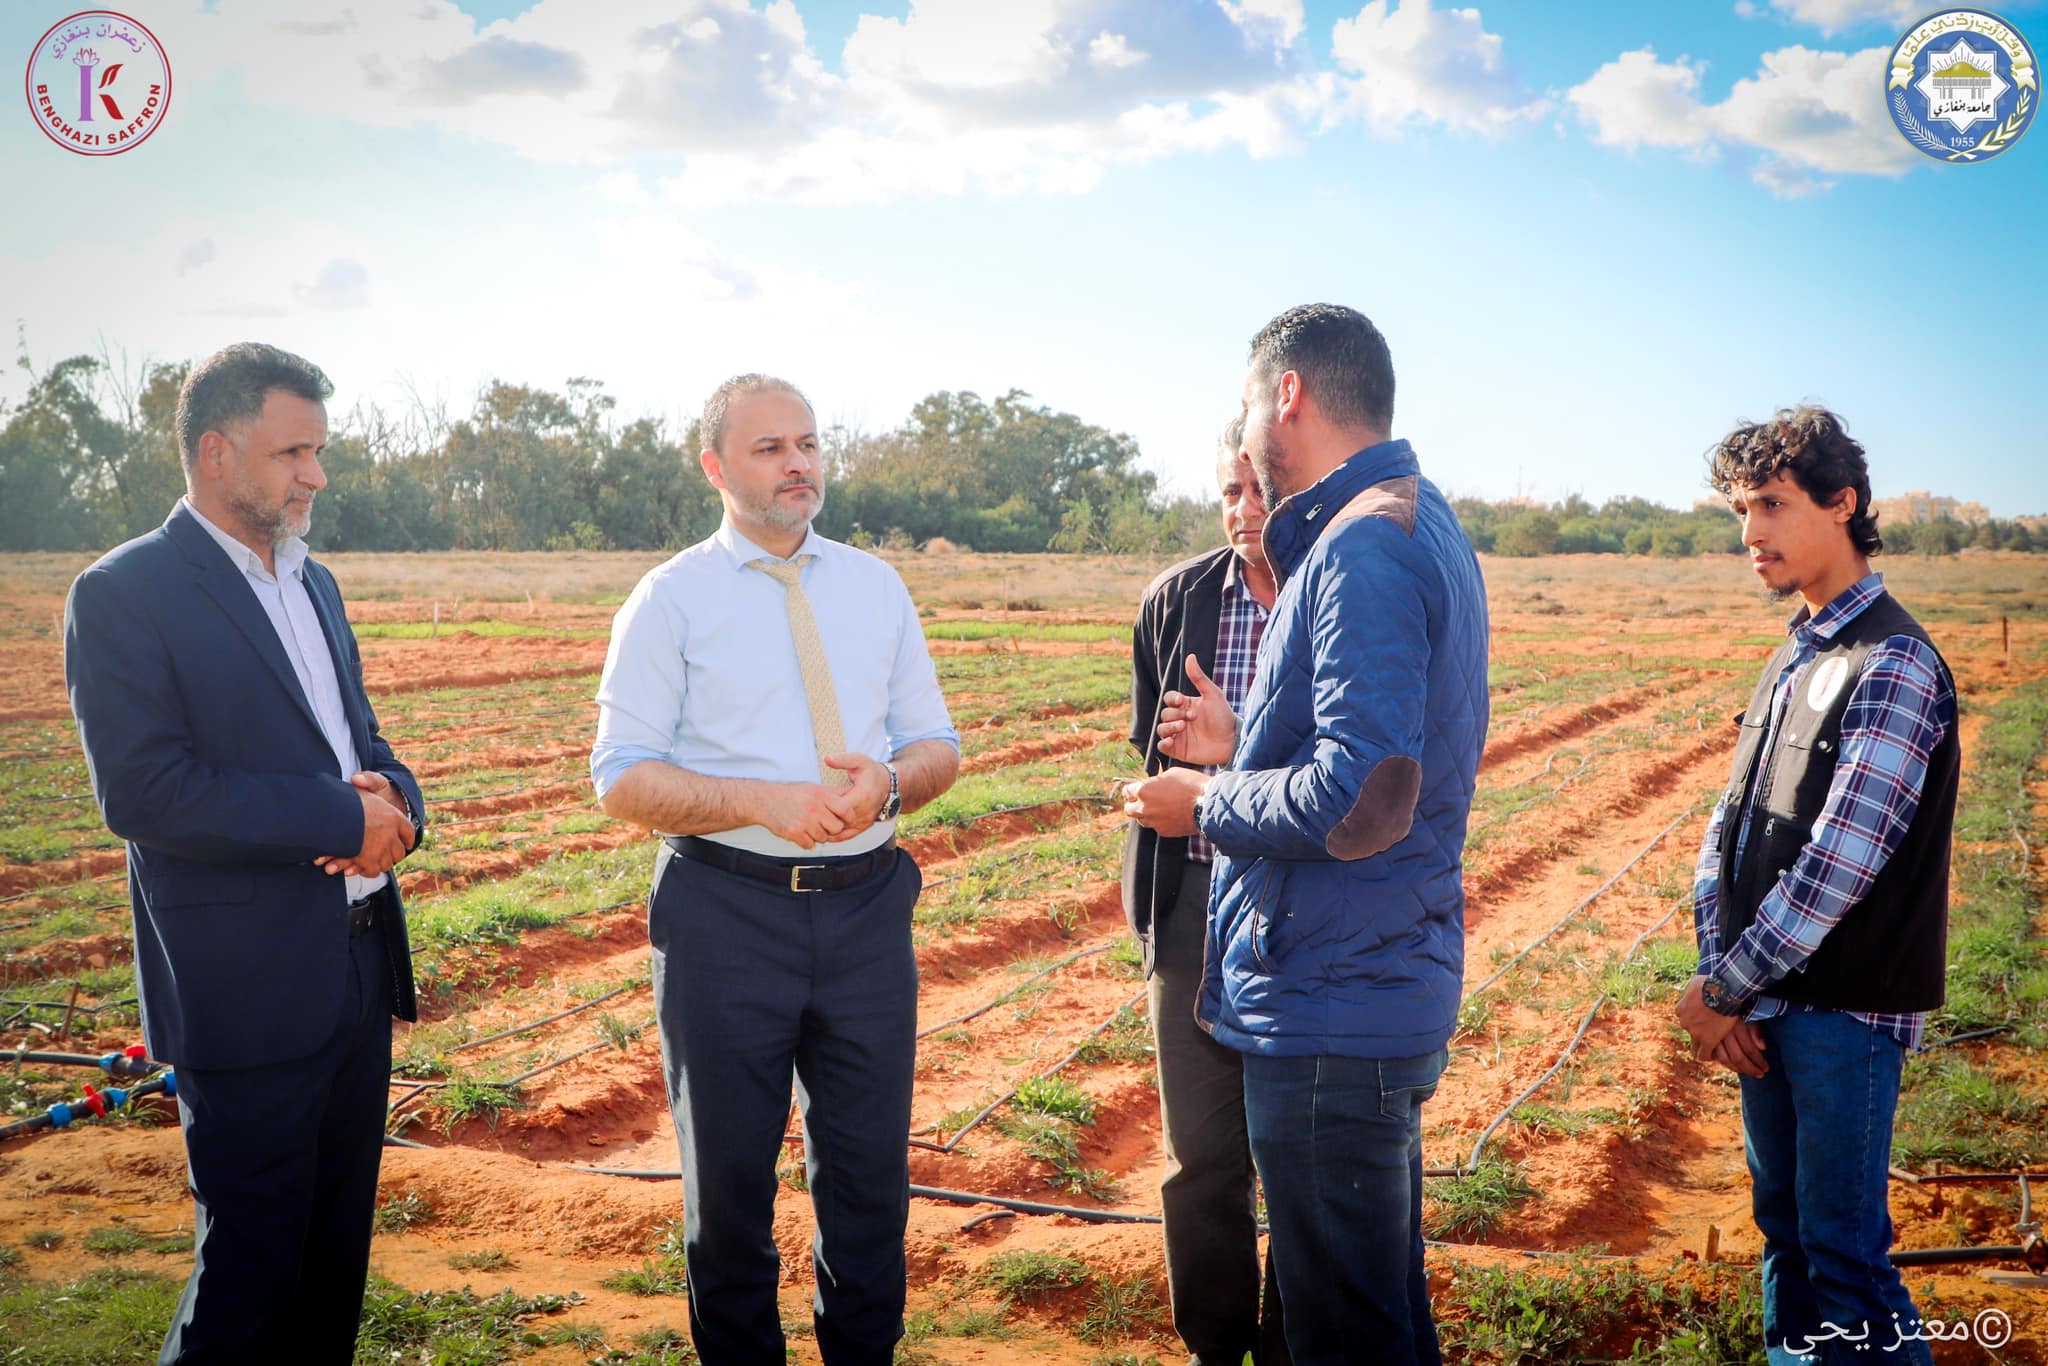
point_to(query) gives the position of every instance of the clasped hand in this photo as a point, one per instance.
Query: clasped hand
(1734, 1043)
(810, 814)
(387, 830)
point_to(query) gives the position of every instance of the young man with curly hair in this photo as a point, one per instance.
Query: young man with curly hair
(1821, 896)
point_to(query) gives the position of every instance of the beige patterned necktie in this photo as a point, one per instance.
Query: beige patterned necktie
(810, 658)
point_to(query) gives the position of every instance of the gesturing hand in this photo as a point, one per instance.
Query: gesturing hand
(1201, 729)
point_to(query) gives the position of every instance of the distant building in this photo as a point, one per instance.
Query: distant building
(1911, 509)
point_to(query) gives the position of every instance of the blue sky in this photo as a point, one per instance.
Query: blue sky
(1595, 234)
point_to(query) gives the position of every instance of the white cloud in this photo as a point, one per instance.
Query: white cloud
(730, 100)
(195, 255)
(1832, 16)
(342, 283)
(1637, 101)
(1819, 110)
(1417, 65)
(1114, 50)
(1809, 114)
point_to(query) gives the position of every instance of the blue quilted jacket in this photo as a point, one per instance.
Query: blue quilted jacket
(1337, 901)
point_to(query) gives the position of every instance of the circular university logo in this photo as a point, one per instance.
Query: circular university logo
(98, 83)
(1962, 85)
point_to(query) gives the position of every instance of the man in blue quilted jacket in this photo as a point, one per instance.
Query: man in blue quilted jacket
(1337, 903)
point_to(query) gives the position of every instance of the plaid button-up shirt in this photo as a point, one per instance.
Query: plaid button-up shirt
(1239, 624)
(1901, 708)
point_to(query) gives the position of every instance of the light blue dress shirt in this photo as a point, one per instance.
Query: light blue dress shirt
(702, 673)
(290, 609)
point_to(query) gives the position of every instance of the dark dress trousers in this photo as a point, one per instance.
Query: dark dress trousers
(206, 757)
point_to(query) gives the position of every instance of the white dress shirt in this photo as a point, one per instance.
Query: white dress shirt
(290, 609)
(702, 673)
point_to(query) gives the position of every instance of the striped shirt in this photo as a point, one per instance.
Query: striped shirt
(1901, 707)
(1239, 624)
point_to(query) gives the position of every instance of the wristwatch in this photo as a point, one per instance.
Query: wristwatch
(1715, 997)
(892, 805)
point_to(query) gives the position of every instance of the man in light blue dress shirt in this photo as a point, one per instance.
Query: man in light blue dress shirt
(769, 707)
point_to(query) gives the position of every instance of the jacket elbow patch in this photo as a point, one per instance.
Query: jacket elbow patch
(1384, 810)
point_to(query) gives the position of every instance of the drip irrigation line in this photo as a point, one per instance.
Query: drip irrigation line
(89, 910)
(1012, 992)
(1966, 1037)
(560, 1015)
(1001, 1202)
(953, 1143)
(1471, 1165)
(52, 888)
(1597, 893)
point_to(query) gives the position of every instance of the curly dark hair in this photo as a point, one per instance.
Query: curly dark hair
(1812, 445)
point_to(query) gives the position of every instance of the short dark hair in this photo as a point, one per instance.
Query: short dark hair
(1341, 357)
(711, 428)
(231, 385)
(1812, 445)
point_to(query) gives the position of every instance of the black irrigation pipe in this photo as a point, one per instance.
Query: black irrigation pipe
(1597, 893)
(121, 1064)
(52, 888)
(88, 910)
(1094, 1216)
(953, 1143)
(1011, 994)
(1471, 1165)
(1972, 1034)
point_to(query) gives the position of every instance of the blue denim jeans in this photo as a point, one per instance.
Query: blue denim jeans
(1818, 1132)
(1338, 1143)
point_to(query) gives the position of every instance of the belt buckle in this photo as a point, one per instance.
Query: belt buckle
(796, 874)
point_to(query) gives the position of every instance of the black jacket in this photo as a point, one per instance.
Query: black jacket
(1178, 616)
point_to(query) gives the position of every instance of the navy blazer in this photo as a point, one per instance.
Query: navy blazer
(207, 759)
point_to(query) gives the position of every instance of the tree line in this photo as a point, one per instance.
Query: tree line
(89, 458)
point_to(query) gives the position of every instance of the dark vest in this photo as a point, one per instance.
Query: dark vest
(1889, 952)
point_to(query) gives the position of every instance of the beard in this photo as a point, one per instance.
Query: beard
(274, 523)
(772, 511)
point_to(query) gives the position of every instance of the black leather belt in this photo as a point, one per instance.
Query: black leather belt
(795, 875)
(362, 915)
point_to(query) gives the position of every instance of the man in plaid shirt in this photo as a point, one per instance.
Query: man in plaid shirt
(1205, 614)
(1820, 901)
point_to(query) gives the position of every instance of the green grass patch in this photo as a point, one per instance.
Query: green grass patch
(488, 1259)
(1461, 1208)
(1953, 1107)
(1128, 1039)
(490, 628)
(1077, 632)
(449, 1327)
(468, 1097)
(1056, 1097)
(654, 1276)
(1122, 1307)
(1657, 970)
(1582, 1308)
(104, 1318)
(1032, 1277)
(402, 1213)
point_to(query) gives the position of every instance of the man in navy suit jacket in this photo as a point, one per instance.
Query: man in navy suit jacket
(220, 701)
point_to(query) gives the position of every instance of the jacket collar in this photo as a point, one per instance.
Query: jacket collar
(1294, 524)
